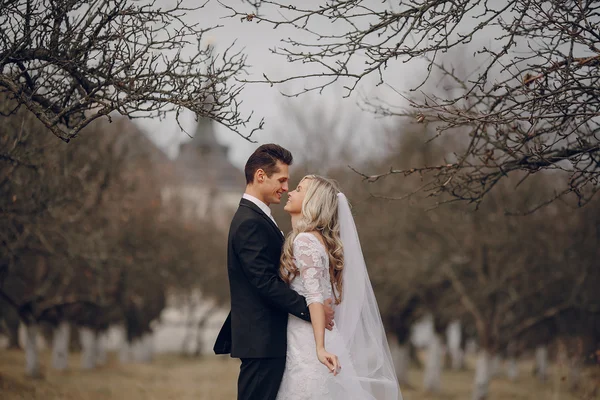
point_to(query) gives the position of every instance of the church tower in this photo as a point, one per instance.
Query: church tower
(210, 186)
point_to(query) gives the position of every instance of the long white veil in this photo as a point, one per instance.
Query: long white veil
(358, 320)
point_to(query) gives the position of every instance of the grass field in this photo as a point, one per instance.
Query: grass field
(174, 377)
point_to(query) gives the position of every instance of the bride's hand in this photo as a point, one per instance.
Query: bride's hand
(329, 360)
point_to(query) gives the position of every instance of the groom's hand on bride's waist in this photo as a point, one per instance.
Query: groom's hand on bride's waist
(329, 314)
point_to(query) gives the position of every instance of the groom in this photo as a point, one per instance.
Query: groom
(255, 330)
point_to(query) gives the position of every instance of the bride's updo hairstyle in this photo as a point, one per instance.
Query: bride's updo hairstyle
(319, 213)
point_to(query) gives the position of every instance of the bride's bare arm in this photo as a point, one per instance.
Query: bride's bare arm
(317, 317)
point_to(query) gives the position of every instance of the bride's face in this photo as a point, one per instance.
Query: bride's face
(296, 197)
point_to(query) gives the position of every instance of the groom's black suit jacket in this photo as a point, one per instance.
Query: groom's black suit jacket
(260, 300)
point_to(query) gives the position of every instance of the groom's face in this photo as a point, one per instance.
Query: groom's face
(272, 188)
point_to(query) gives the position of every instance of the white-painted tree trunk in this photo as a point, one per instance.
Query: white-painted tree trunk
(60, 346)
(88, 348)
(482, 375)
(201, 331)
(401, 359)
(496, 366)
(125, 351)
(143, 348)
(32, 357)
(101, 340)
(136, 349)
(512, 369)
(191, 329)
(454, 334)
(402, 363)
(433, 365)
(541, 362)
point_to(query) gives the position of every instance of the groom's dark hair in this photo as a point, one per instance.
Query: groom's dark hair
(265, 158)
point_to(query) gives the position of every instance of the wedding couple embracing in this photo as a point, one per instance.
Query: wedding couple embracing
(303, 320)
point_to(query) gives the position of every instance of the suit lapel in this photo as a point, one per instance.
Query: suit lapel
(248, 203)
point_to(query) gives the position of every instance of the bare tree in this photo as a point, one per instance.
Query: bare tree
(71, 62)
(54, 249)
(529, 103)
(86, 239)
(510, 273)
(504, 276)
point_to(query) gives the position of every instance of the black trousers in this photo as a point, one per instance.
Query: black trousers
(260, 378)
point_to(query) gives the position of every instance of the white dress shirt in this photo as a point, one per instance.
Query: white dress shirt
(265, 208)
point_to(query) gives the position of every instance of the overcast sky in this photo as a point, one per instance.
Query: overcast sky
(266, 101)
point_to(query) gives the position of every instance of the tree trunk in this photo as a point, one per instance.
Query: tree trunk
(125, 351)
(187, 343)
(455, 342)
(433, 365)
(60, 346)
(145, 347)
(496, 365)
(101, 349)
(463, 350)
(541, 362)
(32, 357)
(142, 348)
(202, 329)
(125, 346)
(46, 334)
(414, 356)
(13, 340)
(402, 362)
(136, 349)
(512, 369)
(74, 342)
(512, 355)
(401, 359)
(88, 348)
(11, 323)
(482, 375)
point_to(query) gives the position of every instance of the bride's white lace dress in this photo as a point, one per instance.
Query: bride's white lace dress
(305, 378)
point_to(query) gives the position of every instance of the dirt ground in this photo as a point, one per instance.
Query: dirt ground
(175, 377)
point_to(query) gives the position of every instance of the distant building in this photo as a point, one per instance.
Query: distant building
(205, 183)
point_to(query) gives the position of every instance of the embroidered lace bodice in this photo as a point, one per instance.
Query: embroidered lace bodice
(312, 261)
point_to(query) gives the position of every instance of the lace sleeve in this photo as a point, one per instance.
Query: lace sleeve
(310, 265)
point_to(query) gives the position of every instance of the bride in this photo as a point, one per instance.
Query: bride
(322, 259)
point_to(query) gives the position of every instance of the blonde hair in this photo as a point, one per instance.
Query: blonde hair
(319, 213)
